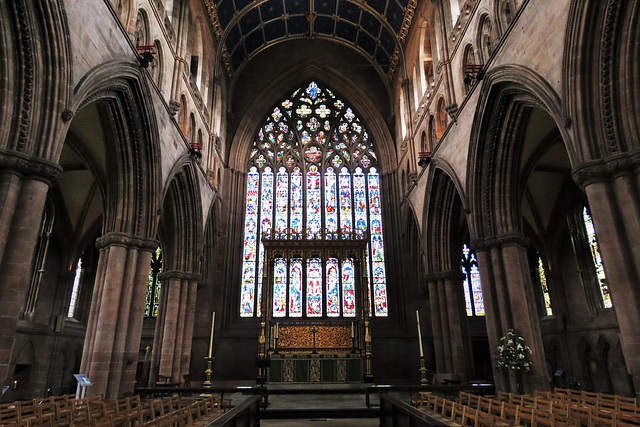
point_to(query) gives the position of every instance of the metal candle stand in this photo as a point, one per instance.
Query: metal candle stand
(423, 372)
(208, 372)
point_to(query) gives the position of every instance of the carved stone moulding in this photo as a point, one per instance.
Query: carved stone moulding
(607, 169)
(126, 240)
(181, 275)
(30, 166)
(500, 241)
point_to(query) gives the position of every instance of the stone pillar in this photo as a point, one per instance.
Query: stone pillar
(450, 332)
(174, 327)
(436, 324)
(24, 183)
(460, 341)
(114, 327)
(613, 191)
(510, 303)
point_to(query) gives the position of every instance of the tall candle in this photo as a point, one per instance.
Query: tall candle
(419, 334)
(213, 322)
(352, 331)
(276, 334)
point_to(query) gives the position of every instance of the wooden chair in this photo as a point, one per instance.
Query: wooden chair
(601, 418)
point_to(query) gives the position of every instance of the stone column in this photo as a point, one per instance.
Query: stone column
(460, 341)
(450, 331)
(613, 191)
(114, 327)
(436, 324)
(174, 327)
(510, 303)
(24, 183)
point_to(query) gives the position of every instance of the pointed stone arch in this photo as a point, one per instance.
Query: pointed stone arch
(509, 96)
(114, 326)
(134, 157)
(180, 232)
(35, 77)
(508, 92)
(181, 221)
(602, 71)
(443, 213)
(336, 81)
(444, 204)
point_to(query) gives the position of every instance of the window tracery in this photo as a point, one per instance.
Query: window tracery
(312, 170)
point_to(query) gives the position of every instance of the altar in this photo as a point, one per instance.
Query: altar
(316, 327)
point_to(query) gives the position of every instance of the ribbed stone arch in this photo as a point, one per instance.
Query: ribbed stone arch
(444, 206)
(35, 77)
(602, 71)
(180, 227)
(508, 95)
(134, 152)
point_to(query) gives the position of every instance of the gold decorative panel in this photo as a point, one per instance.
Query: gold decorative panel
(300, 337)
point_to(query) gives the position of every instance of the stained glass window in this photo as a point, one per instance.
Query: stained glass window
(314, 287)
(280, 288)
(333, 288)
(545, 288)
(75, 290)
(597, 260)
(472, 285)
(152, 300)
(295, 277)
(348, 288)
(326, 183)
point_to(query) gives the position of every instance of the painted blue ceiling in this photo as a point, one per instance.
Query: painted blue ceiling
(373, 27)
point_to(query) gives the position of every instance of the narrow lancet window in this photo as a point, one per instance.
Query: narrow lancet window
(597, 260)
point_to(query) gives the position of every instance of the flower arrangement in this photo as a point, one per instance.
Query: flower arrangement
(513, 353)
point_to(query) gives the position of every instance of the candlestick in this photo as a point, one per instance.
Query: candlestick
(419, 334)
(213, 322)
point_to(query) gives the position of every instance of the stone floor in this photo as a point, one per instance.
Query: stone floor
(324, 422)
(317, 406)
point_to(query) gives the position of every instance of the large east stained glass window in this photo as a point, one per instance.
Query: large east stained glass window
(597, 259)
(313, 170)
(472, 286)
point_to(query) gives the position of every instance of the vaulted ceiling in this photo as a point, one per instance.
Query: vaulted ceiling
(373, 28)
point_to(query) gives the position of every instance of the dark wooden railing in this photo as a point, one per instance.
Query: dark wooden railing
(246, 414)
(397, 412)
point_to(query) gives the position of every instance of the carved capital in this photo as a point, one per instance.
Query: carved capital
(500, 241)
(126, 240)
(179, 275)
(606, 169)
(29, 166)
(445, 276)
